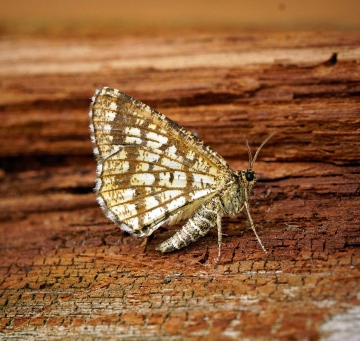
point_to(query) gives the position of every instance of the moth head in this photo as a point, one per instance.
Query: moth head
(249, 176)
(248, 179)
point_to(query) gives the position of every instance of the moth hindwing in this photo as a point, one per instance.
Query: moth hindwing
(152, 172)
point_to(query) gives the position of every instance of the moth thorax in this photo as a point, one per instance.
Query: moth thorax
(233, 199)
(236, 193)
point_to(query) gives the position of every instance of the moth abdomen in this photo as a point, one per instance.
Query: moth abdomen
(197, 226)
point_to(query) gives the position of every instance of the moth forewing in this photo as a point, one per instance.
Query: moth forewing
(151, 171)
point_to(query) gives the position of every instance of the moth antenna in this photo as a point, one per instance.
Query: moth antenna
(262, 145)
(249, 152)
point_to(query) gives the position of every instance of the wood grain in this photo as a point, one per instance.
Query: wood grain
(68, 272)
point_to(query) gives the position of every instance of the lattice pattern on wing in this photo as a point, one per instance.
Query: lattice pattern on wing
(149, 168)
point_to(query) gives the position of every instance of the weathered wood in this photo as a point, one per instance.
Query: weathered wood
(68, 272)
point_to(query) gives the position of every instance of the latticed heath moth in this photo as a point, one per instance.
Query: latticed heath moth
(152, 172)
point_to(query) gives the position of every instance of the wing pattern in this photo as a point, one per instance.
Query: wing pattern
(150, 170)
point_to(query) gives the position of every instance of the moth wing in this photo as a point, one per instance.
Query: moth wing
(150, 170)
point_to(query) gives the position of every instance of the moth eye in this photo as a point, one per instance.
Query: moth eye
(249, 176)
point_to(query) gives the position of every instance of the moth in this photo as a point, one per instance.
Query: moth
(152, 172)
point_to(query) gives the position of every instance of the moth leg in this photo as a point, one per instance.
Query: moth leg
(218, 223)
(145, 241)
(252, 225)
(197, 226)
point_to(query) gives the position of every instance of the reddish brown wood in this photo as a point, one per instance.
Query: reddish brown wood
(68, 272)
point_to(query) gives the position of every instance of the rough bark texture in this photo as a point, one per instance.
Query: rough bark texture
(67, 272)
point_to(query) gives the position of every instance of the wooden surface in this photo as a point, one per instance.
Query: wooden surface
(67, 272)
